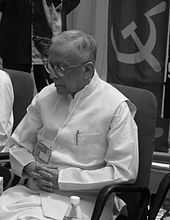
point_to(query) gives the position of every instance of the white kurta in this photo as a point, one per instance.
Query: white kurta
(93, 138)
(6, 107)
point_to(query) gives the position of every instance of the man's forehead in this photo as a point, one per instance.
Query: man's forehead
(64, 53)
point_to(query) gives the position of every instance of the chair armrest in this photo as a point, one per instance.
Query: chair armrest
(158, 198)
(4, 159)
(161, 157)
(10, 179)
(106, 191)
(4, 156)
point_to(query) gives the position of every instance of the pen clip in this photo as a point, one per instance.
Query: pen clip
(77, 137)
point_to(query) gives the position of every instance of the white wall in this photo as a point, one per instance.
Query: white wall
(91, 16)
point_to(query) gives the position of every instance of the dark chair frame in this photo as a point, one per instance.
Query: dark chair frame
(23, 87)
(141, 203)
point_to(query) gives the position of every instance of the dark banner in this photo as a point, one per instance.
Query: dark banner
(137, 39)
(137, 42)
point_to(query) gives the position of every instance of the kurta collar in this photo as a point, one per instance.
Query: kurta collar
(86, 91)
(88, 88)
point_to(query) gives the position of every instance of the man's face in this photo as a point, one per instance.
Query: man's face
(66, 70)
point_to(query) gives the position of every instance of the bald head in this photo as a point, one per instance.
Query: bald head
(78, 43)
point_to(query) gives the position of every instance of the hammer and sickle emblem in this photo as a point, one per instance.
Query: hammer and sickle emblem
(145, 51)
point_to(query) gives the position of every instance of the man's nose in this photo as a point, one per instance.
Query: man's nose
(53, 76)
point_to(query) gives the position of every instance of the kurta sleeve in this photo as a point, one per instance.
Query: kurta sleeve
(6, 108)
(121, 157)
(24, 138)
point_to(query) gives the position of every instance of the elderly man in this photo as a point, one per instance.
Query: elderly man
(77, 136)
(6, 108)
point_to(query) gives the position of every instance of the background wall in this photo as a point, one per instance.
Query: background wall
(91, 16)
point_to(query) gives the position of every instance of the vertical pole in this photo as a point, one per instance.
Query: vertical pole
(166, 75)
(166, 65)
(63, 17)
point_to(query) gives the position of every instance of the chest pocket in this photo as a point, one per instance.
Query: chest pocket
(88, 138)
(93, 145)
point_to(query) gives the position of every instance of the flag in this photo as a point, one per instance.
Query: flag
(137, 42)
(137, 39)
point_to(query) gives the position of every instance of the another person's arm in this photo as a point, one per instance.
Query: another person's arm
(6, 108)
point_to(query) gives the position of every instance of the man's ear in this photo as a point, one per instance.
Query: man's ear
(88, 70)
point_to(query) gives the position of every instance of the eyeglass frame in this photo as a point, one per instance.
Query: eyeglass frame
(60, 69)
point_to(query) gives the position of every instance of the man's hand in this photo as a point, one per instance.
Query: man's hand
(30, 169)
(49, 178)
(45, 177)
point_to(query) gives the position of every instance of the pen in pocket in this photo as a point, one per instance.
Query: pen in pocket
(77, 137)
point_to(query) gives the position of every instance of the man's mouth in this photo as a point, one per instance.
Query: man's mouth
(59, 86)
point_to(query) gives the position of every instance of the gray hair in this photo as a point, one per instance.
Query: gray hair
(83, 43)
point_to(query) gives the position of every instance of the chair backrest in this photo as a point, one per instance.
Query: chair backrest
(23, 87)
(145, 118)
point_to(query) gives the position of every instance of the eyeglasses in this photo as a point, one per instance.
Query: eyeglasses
(58, 70)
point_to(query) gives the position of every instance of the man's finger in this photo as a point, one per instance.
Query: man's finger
(45, 174)
(35, 175)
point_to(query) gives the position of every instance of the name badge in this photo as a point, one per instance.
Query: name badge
(42, 152)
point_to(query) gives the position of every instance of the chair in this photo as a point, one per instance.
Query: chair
(161, 175)
(141, 204)
(23, 87)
